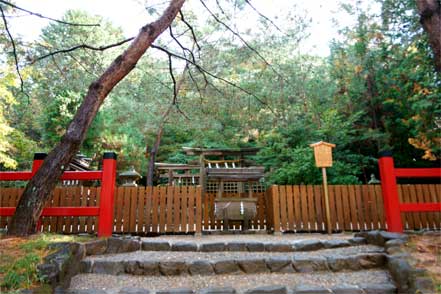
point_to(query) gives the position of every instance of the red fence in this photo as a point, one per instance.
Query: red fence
(392, 205)
(104, 211)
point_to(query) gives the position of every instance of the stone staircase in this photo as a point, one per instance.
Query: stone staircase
(234, 264)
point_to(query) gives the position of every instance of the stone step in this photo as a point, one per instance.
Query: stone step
(250, 243)
(361, 282)
(169, 263)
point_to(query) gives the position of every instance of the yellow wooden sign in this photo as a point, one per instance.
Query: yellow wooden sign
(323, 153)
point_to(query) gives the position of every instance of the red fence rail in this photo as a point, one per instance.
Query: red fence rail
(392, 206)
(105, 209)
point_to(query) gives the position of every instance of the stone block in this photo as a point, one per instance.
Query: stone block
(119, 245)
(212, 247)
(133, 267)
(107, 267)
(237, 246)
(131, 290)
(310, 289)
(86, 266)
(346, 289)
(373, 260)
(184, 246)
(252, 266)
(201, 267)
(173, 268)
(150, 268)
(310, 264)
(336, 243)
(255, 246)
(155, 246)
(268, 290)
(357, 241)
(226, 267)
(340, 263)
(279, 247)
(386, 288)
(176, 291)
(96, 247)
(308, 245)
(280, 265)
(224, 290)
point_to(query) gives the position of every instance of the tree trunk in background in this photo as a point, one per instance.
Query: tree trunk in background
(155, 148)
(39, 188)
(430, 12)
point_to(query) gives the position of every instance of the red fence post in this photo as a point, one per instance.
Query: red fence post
(390, 192)
(38, 161)
(105, 222)
(36, 164)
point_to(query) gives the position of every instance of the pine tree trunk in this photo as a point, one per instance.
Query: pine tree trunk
(157, 143)
(430, 13)
(38, 190)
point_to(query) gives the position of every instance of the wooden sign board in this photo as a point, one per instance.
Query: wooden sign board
(323, 153)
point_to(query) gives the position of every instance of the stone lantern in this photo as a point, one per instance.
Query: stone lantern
(129, 177)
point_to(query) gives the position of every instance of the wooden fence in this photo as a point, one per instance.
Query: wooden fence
(181, 209)
(353, 207)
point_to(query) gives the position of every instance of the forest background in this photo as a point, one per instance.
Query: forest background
(377, 90)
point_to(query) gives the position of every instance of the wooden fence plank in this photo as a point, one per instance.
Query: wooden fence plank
(162, 208)
(333, 207)
(83, 203)
(133, 209)
(262, 211)
(191, 208)
(170, 196)
(319, 207)
(184, 208)
(380, 207)
(282, 206)
(417, 216)
(435, 196)
(198, 210)
(126, 210)
(77, 203)
(275, 210)
(373, 206)
(141, 209)
(312, 219)
(297, 207)
(290, 204)
(339, 208)
(148, 209)
(304, 207)
(352, 207)
(155, 206)
(176, 209)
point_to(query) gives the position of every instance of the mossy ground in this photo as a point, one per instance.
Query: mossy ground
(19, 257)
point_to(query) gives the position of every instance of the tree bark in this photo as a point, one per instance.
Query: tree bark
(155, 148)
(430, 13)
(39, 188)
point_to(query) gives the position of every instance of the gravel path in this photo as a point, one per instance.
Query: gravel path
(266, 238)
(240, 282)
(191, 255)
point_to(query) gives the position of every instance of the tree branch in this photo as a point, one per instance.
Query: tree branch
(263, 16)
(14, 52)
(82, 46)
(242, 39)
(212, 75)
(49, 18)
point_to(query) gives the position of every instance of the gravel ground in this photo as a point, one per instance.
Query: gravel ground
(190, 255)
(267, 238)
(239, 282)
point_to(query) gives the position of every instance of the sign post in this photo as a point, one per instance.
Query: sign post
(323, 159)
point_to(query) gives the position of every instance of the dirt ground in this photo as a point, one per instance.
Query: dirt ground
(426, 249)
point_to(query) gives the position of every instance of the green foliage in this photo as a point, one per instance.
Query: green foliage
(22, 273)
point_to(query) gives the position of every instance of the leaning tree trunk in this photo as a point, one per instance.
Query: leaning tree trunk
(39, 188)
(155, 148)
(430, 12)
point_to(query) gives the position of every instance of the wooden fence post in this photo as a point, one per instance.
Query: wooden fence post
(105, 221)
(275, 209)
(198, 211)
(390, 192)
